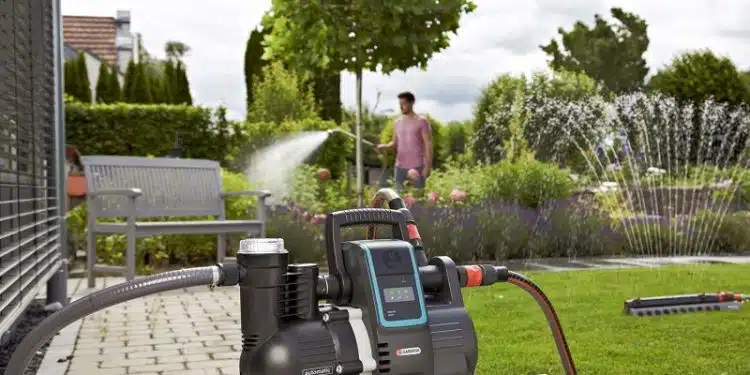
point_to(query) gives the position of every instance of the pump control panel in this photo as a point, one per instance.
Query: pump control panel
(394, 276)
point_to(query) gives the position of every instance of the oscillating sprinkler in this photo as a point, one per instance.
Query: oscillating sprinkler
(703, 302)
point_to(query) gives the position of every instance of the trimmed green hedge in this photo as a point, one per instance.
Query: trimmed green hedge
(145, 129)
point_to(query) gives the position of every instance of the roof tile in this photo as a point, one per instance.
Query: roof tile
(93, 34)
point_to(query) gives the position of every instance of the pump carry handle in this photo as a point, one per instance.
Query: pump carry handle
(358, 216)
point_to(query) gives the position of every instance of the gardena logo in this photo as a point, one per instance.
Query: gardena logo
(409, 351)
(318, 371)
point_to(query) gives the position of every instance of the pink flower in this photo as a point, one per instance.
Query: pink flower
(409, 200)
(413, 174)
(306, 215)
(458, 195)
(433, 196)
(323, 174)
(318, 219)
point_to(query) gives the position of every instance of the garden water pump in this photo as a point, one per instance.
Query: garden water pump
(389, 310)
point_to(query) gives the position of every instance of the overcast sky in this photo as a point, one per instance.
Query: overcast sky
(501, 36)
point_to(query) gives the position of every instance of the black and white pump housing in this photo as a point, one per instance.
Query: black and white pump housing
(380, 317)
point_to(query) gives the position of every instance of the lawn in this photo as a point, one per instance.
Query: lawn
(514, 338)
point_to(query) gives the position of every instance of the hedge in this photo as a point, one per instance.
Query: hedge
(145, 129)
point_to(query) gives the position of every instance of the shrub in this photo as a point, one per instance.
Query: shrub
(386, 135)
(161, 251)
(281, 96)
(526, 181)
(142, 129)
(529, 182)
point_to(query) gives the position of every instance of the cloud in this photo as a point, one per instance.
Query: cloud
(501, 36)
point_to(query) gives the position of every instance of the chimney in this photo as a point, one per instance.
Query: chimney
(124, 41)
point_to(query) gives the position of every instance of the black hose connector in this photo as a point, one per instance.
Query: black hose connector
(231, 274)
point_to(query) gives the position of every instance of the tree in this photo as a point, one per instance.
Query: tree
(611, 53)
(176, 50)
(327, 92)
(102, 84)
(700, 75)
(71, 79)
(281, 96)
(181, 89)
(127, 87)
(169, 82)
(113, 87)
(696, 77)
(139, 91)
(360, 36)
(83, 85)
(254, 62)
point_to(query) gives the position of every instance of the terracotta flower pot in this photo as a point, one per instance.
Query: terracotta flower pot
(76, 186)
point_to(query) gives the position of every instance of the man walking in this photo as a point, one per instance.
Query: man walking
(412, 139)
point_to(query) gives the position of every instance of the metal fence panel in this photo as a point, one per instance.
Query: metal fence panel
(29, 221)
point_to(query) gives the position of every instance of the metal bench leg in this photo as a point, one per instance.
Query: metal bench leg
(221, 248)
(130, 251)
(90, 256)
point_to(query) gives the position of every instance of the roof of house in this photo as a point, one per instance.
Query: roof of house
(94, 34)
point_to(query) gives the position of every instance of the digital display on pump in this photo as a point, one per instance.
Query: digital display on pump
(402, 294)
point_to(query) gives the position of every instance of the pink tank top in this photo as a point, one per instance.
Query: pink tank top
(410, 147)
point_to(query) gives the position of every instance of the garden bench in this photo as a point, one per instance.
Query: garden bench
(136, 188)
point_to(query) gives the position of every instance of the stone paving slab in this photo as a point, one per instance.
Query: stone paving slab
(196, 331)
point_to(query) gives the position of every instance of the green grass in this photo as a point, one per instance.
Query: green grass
(514, 337)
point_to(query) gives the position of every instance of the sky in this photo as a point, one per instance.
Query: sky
(501, 36)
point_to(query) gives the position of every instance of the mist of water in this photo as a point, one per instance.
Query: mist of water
(273, 167)
(667, 162)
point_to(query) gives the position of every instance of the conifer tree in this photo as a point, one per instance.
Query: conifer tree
(82, 77)
(113, 86)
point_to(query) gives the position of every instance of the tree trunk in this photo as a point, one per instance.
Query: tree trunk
(358, 131)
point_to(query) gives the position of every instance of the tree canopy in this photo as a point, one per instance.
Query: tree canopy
(362, 36)
(697, 76)
(609, 52)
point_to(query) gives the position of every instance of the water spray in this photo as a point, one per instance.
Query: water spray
(389, 309)
(687, 303)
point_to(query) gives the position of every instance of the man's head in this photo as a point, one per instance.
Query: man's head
(406, 101)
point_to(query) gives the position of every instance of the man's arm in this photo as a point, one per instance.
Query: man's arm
(427, 141)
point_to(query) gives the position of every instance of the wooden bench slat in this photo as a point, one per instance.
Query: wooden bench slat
(152, 228)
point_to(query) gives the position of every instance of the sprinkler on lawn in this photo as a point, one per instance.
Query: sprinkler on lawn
(389, 309)
(667, 305)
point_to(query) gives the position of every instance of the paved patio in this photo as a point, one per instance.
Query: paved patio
(197, 331)
(189, 332)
